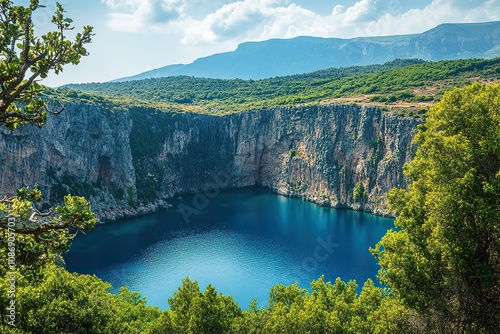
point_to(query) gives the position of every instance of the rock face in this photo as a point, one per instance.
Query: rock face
(84, 151)
(130, 162)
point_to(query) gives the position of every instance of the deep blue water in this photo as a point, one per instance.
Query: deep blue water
(242, 242)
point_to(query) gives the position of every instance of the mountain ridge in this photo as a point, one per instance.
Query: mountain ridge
(303, 54)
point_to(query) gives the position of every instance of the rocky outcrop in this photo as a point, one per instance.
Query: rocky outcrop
(130, 162)
(84, 151)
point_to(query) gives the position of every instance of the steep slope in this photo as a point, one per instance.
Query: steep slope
(129, 162)
(277, 57)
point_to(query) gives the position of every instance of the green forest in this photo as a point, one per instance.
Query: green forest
(440, 266)
(415, 83)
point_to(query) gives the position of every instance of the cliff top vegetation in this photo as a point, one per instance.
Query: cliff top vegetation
(408, 85)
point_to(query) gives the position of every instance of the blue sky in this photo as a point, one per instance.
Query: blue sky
(134, 36)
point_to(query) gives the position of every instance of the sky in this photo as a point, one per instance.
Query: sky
(133, 36)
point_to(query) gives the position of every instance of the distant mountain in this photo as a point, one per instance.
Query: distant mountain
(278, 57)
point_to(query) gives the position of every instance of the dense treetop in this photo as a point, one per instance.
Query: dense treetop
(444, 261)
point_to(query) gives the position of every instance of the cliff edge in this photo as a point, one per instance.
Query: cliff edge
(131, 162)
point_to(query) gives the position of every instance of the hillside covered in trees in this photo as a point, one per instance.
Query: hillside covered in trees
(400, 83)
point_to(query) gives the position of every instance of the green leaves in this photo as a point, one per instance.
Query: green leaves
(192, 311)
(25, 193)
(40, 237)
(359, 194)
(26, 58)
(444, 260)
(63, 302)
(77, 211)
(408, 80)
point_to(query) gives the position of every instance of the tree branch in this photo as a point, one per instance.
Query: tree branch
(39, 55)
(36, 224)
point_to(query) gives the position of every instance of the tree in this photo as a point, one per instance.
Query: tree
(443, 261)
(66, 302)
(26, 58)
(35, 237)
(29, 238)
(329, 308)
(359, 193)
(192, 311)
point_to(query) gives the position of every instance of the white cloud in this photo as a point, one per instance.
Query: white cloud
(250, 19)
(136, 15)
(264, 19)
(362, 11)
(437, 12)
(232, 22)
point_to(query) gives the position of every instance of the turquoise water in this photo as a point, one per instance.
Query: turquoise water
(242, 242)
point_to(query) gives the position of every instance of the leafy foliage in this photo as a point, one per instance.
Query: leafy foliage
(25, 57)
(31, 239)
(39, 238)
(444, 260)
(63, 302)
(402, 80)
(359, 193)
(442, 264)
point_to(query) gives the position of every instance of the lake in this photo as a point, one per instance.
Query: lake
(242, 242)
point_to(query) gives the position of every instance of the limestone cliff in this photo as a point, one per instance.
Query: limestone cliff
(84, 151)
(129, 162)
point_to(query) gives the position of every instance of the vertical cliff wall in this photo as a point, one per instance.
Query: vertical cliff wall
(129, 162)
(318, 153)
(83, 151)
